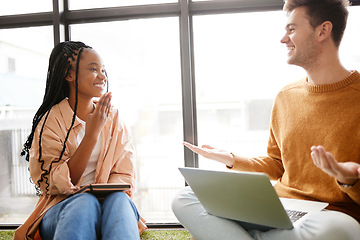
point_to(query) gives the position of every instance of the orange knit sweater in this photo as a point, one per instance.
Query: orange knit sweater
(305, 115)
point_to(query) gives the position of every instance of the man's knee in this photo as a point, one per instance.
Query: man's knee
(332, 225)
(181, 199)
(185, 203)
(343, 227)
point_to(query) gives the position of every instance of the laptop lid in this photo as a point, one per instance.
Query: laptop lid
(242, 196)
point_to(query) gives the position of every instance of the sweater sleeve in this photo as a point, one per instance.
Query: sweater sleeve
(270, 164)
(353, 192)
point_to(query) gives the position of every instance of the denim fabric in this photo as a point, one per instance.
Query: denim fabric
(82, 216)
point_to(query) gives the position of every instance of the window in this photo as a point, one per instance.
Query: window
(13, 7)
(23, 66)
(143, 64)
(349, 47)
(239, 66)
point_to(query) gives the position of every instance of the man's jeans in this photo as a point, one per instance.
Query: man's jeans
(82, 216)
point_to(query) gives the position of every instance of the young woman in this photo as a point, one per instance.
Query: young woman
(75, 141)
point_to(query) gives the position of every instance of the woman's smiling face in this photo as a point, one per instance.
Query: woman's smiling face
(92, 77)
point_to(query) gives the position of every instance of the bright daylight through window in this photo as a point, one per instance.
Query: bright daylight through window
(239, 63)
(240, 66)
(143, 64)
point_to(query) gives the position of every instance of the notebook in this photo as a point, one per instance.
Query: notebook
(247, 197)
(100, 190)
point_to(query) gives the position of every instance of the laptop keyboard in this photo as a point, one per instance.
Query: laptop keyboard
(295, 215)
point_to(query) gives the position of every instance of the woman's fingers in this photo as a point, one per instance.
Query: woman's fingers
(104, 104)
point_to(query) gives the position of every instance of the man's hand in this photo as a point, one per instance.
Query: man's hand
(345, 173)
(212, 153)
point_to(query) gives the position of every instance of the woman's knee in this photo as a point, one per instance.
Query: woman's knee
(117, 198)
(119, 202)
(85, 203)
(81, 211)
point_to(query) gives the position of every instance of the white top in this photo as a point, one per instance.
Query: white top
(89, 173)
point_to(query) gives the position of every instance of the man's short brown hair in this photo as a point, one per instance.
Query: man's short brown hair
(319, 11)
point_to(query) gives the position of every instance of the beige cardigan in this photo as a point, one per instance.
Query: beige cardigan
(115, 164)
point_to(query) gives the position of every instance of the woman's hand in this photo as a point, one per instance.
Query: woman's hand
(344, 172)
(96, 120)
(212, 153)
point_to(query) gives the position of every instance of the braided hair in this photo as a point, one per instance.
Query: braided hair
(56, 90)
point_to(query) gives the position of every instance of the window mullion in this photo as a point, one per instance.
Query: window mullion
(188, 84)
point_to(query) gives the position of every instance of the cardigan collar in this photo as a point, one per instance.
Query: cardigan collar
(67, 113)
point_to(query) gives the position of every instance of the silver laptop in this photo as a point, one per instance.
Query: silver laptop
(247, 197)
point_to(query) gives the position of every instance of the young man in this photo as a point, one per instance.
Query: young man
(314, 143)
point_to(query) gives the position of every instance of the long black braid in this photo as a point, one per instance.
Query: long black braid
(56, 90)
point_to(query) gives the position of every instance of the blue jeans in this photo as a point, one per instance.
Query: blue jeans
(82, 216)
